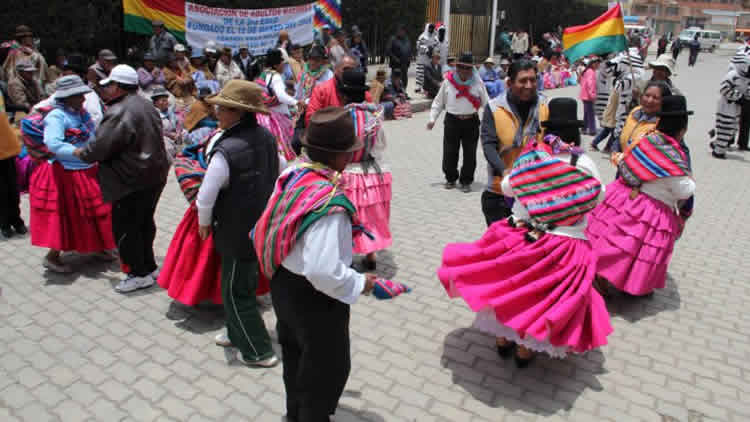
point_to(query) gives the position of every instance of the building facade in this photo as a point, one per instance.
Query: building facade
(673, 16)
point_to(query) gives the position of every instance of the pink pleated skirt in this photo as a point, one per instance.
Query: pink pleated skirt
(68, 212)
(539, 294)
(371, 194)
(633, 239)
(281, 126)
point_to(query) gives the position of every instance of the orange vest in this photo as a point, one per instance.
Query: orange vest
(10, 143)
(633, 130)
(506, 126)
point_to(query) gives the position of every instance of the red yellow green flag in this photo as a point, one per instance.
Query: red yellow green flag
(605, 34)
(140, 13)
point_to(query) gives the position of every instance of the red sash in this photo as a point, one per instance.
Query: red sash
(464, 91)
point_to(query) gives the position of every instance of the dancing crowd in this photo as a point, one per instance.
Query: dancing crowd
(297, 143)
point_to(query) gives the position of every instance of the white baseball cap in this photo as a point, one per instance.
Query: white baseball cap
(179, 48)
(123, 74)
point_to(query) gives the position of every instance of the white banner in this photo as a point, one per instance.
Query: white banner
(258, 29)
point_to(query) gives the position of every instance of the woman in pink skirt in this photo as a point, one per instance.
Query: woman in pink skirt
(367, 182)
(68, 212)
(530, 277)
(633, 231)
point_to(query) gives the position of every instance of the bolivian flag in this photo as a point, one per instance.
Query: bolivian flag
(606, 34)
(140, 13)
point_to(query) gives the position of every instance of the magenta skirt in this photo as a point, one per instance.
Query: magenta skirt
(540, 294)
(68, 212)
(371, 194)
(633, 239)
(280, 125)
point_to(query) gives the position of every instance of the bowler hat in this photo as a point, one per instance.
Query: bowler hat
(466, 59)
(317, 52)
(242, 95)
(76, 62)
(674, 106)
(353, 81)
(332, 129)
(563, 112)
(274, 57)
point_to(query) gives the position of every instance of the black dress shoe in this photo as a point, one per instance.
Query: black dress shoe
(466, 188)
(744, 148)
(7, 232)
(719, 156)
(522, 362)
(20, 228)
(450, 185)
(506, 351)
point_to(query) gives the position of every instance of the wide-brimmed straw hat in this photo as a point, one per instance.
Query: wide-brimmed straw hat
(665, 61)
(70, 85)
(242, 95)
(331, 129)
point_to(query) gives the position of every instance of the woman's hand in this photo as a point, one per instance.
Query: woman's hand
(369, 283)
(615, 158)
(204, 232)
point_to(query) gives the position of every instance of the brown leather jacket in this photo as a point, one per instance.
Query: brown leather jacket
(129, 148)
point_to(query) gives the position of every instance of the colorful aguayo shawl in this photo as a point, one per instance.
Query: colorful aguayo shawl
(555, 192)
(269, 97)
(464, 90)
(656, 155)
(368, 118)
(32, 132)
(301, 197)
(190, 167)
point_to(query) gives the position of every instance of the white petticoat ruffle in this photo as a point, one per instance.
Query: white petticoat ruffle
(487, 322)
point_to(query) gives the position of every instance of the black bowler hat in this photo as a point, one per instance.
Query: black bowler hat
(353, 82)
(317, 52)
(563, 112)
(332, 129)
(674, 106)
(466, 59)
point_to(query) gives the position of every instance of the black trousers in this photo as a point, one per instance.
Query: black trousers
(404, 73)
(744, 133)
(459, 134)
(495, 207)
(134, 229)
(313, 331)
(10, 198)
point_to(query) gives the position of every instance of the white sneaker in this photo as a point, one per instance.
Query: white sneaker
(265, 363)
(133, 283)
(222, 339)
(155, 273)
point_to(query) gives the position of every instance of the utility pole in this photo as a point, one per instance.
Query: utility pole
(493, 29)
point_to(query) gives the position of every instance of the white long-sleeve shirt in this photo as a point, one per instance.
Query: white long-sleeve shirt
(520, 212)
(216, 179)
(279, 89)
(324, 256)
(446, 99)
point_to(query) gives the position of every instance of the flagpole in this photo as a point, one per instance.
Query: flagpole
(634, 91)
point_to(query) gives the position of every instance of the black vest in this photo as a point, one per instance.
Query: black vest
(253, 162)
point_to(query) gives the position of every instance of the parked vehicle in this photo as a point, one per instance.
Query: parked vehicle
(708, 38)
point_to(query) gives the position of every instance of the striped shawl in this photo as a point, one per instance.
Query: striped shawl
(301, 197)
(656, 155)
(555, 192)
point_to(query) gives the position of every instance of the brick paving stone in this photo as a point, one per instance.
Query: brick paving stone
(74, 349)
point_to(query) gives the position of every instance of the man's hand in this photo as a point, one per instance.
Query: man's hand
(430, 125)
(204, 232)
(369, 283)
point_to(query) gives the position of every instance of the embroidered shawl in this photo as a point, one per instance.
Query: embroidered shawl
(656, 155)
(368, 119)
(555, 192)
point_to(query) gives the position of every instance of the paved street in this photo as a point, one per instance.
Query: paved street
(71, 349)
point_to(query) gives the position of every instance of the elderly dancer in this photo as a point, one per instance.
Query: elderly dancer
(306, 251)
(530, 277)
(68, 212)
(242, 167)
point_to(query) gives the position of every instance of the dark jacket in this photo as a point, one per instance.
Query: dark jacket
(129, 148)
(250, 71)
(433, 78)
(399, 51)
(250, 151)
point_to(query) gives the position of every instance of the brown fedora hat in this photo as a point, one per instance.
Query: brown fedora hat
(242, 95)
(332, 129)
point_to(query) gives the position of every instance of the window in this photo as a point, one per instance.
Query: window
(673, 11)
